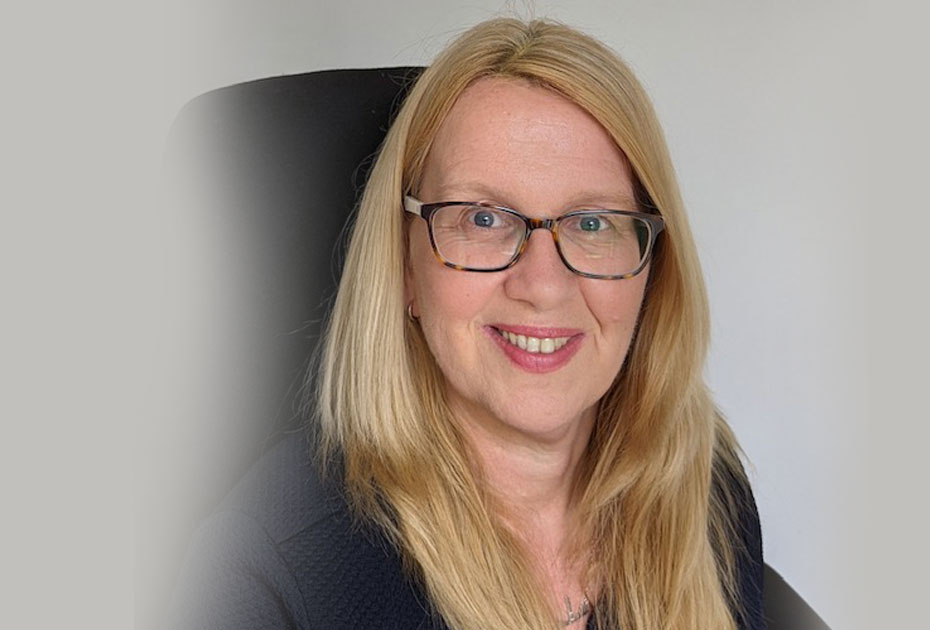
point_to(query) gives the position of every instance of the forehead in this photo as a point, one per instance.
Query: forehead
(506, 138)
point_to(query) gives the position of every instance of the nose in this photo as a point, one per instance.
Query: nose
(540, 278)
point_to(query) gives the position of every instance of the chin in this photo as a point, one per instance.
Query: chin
(543, 423)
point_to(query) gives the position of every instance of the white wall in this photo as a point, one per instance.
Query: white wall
(764, 109)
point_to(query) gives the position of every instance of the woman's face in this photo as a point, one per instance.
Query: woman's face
(512, 144)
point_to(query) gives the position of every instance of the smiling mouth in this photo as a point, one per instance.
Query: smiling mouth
(534, 345)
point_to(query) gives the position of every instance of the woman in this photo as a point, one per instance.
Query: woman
(513, 427)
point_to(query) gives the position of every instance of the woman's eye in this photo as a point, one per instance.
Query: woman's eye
(483, 218)
(590, 224)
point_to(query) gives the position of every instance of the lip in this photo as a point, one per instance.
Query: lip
(535, 362)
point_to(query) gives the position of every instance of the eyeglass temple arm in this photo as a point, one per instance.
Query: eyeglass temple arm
(413, 206)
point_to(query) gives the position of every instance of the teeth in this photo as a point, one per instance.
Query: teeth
(536, 345)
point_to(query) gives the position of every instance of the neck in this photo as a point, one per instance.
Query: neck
(531, 475)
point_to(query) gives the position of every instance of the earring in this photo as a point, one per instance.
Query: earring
(410, 314)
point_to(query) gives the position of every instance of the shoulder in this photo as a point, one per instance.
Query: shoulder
(732, 494)
(283, 551)
(284, 492)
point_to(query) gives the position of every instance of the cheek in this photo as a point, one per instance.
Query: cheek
(448, 298)
(616, 307)
(450, 309)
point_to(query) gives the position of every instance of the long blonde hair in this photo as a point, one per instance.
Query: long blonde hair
(662, 530)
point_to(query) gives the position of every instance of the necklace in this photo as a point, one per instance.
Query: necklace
(574, 615)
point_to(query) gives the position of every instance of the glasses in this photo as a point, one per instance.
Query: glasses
(474, 236)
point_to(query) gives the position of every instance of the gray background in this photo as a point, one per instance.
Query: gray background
(798, 131)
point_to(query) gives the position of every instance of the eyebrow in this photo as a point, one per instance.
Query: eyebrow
(482, 190)
(476, 190)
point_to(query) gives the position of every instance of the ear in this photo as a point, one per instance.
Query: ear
(408, 293)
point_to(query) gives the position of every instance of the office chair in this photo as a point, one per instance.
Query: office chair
(270, 171)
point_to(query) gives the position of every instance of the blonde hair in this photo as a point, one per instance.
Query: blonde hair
(661, 527)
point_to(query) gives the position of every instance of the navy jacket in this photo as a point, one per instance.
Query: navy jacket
(284, 552)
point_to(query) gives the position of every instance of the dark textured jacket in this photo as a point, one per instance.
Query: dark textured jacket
(284, 552)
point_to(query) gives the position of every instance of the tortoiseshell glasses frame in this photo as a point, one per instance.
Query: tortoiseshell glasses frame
(648, 228)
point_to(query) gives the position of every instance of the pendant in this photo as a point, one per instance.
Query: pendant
(572, 615)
